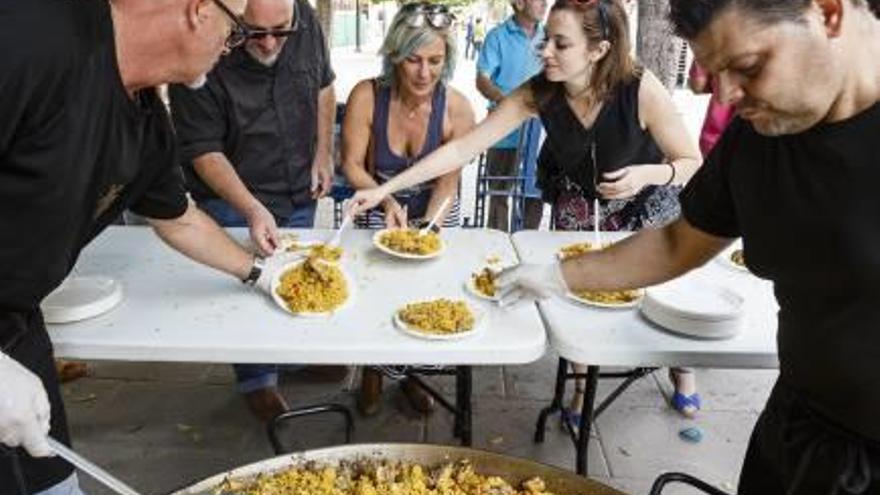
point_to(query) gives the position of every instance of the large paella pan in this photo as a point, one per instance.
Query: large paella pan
(514, 470)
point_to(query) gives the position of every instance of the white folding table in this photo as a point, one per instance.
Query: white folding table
(177, 310)
(623, 337)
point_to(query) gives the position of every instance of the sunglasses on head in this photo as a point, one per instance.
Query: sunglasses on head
(435, 15)
(602, 11)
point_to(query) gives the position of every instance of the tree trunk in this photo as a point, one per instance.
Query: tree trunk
(325, 17)
(657, 47)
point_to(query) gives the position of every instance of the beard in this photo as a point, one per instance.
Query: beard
(198, 82)
(267, 60)
(774, 123)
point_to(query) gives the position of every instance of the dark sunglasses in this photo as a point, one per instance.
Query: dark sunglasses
(239, 32)
(260, 33)
(420, 13)
(602, 10)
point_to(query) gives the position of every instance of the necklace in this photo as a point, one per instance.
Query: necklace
(590, 106)
(411, 111)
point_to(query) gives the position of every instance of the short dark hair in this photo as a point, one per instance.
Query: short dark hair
(691, 17)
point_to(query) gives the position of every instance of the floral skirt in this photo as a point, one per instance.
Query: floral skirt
(654, 206)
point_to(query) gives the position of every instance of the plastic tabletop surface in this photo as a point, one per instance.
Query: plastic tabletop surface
(174, 309)
(623, 337)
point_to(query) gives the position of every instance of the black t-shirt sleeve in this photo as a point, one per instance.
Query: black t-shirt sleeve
(199, 119)
(165, 198)
(706, 201)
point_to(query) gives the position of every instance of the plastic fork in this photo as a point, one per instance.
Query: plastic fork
(433, 221)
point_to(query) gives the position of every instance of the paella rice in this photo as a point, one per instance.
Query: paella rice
(484, 282)
(611, 297)
(410, 241)
(326, 252)
(441, 316)
(382, 478)
(573, 250)
(304, 290)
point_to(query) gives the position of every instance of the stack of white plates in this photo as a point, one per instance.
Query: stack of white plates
(695, 307)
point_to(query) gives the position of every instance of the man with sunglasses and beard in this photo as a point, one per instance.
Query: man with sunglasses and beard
(256, 143)
(84, 137)
(509, 57)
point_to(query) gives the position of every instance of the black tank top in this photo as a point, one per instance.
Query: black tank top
(620, 141)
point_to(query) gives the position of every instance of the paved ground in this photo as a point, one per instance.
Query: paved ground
(162, 426)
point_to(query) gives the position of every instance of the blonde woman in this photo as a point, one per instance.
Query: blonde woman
(394, 120)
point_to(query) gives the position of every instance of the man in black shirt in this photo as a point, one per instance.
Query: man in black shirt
(795, 176)
(83, 136)
(256, 142)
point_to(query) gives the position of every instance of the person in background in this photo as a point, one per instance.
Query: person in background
(508, 58)
(469, 38)
(479, 37)
(718, 115)
(613, 132)
(83, 137)
(256, 144)
(391, 122)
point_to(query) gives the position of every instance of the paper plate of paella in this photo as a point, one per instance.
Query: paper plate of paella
(439, 319)
(615, 299)
(409, 243)
(312, 287)
(482, 284)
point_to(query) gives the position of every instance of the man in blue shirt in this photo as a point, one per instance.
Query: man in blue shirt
(509, 57)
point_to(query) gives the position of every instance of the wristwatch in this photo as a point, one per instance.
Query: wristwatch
(256, 271)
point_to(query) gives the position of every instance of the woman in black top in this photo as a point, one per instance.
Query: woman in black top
(594, 101)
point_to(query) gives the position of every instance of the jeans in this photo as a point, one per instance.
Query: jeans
(251, 377)
(70, 486)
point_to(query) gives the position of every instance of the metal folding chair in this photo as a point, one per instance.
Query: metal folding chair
(666, 478)
(526, 157)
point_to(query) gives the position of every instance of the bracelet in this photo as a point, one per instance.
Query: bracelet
(672, 176)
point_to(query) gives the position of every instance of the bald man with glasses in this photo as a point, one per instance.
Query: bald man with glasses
(84, 137)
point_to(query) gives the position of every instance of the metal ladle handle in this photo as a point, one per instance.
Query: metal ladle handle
(91, 469)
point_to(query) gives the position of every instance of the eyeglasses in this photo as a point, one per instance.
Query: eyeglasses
(256, 33)
(602, 11)
(435, 15)
(239, 31)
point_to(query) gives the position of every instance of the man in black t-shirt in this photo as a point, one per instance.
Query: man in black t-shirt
(256, 143)
(795, 175)
(84, 136)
